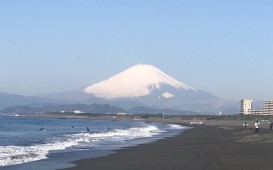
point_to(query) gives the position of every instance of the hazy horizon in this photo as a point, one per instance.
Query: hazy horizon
(223, 47)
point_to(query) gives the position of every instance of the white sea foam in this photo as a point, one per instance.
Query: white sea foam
(11, 155)
(119, 134)
(174, 126)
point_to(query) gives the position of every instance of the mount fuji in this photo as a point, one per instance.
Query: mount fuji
(146, 85)
(137, 81)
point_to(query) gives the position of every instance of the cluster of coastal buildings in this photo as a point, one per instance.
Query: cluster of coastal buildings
(246, 108)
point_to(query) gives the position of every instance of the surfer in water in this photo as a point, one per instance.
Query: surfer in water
(72, 125)
(87, 129)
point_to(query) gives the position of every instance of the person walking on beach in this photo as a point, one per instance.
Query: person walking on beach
(256, 127)
(271, 125)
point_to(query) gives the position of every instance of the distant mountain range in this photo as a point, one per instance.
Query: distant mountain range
(78, 108)
(141, 86)
(8, 100)
(93, 108)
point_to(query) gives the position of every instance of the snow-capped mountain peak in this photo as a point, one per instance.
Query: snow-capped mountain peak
(139, 80)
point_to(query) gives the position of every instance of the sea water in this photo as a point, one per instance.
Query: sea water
(52, 143)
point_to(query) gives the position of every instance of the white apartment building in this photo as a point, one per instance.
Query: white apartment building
(246, 106)
(268, 107)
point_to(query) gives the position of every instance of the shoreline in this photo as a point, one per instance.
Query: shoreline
(221, 143)
(217, 145)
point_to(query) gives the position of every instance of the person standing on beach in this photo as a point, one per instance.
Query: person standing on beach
(256, 127)
(271, 124)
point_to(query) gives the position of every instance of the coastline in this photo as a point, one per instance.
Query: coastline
(217, 145)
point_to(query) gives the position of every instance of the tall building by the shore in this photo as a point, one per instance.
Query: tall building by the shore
(246, 108)
(268, 107)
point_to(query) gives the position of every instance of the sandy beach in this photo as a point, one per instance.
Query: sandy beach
(218, 145)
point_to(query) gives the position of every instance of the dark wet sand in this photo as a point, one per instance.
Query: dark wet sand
(209, 147)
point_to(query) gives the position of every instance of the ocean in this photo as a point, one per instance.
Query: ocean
(53, 143)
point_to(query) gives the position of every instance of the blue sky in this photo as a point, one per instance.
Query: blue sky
(224, 47)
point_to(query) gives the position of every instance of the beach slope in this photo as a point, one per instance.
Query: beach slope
(211, 147)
